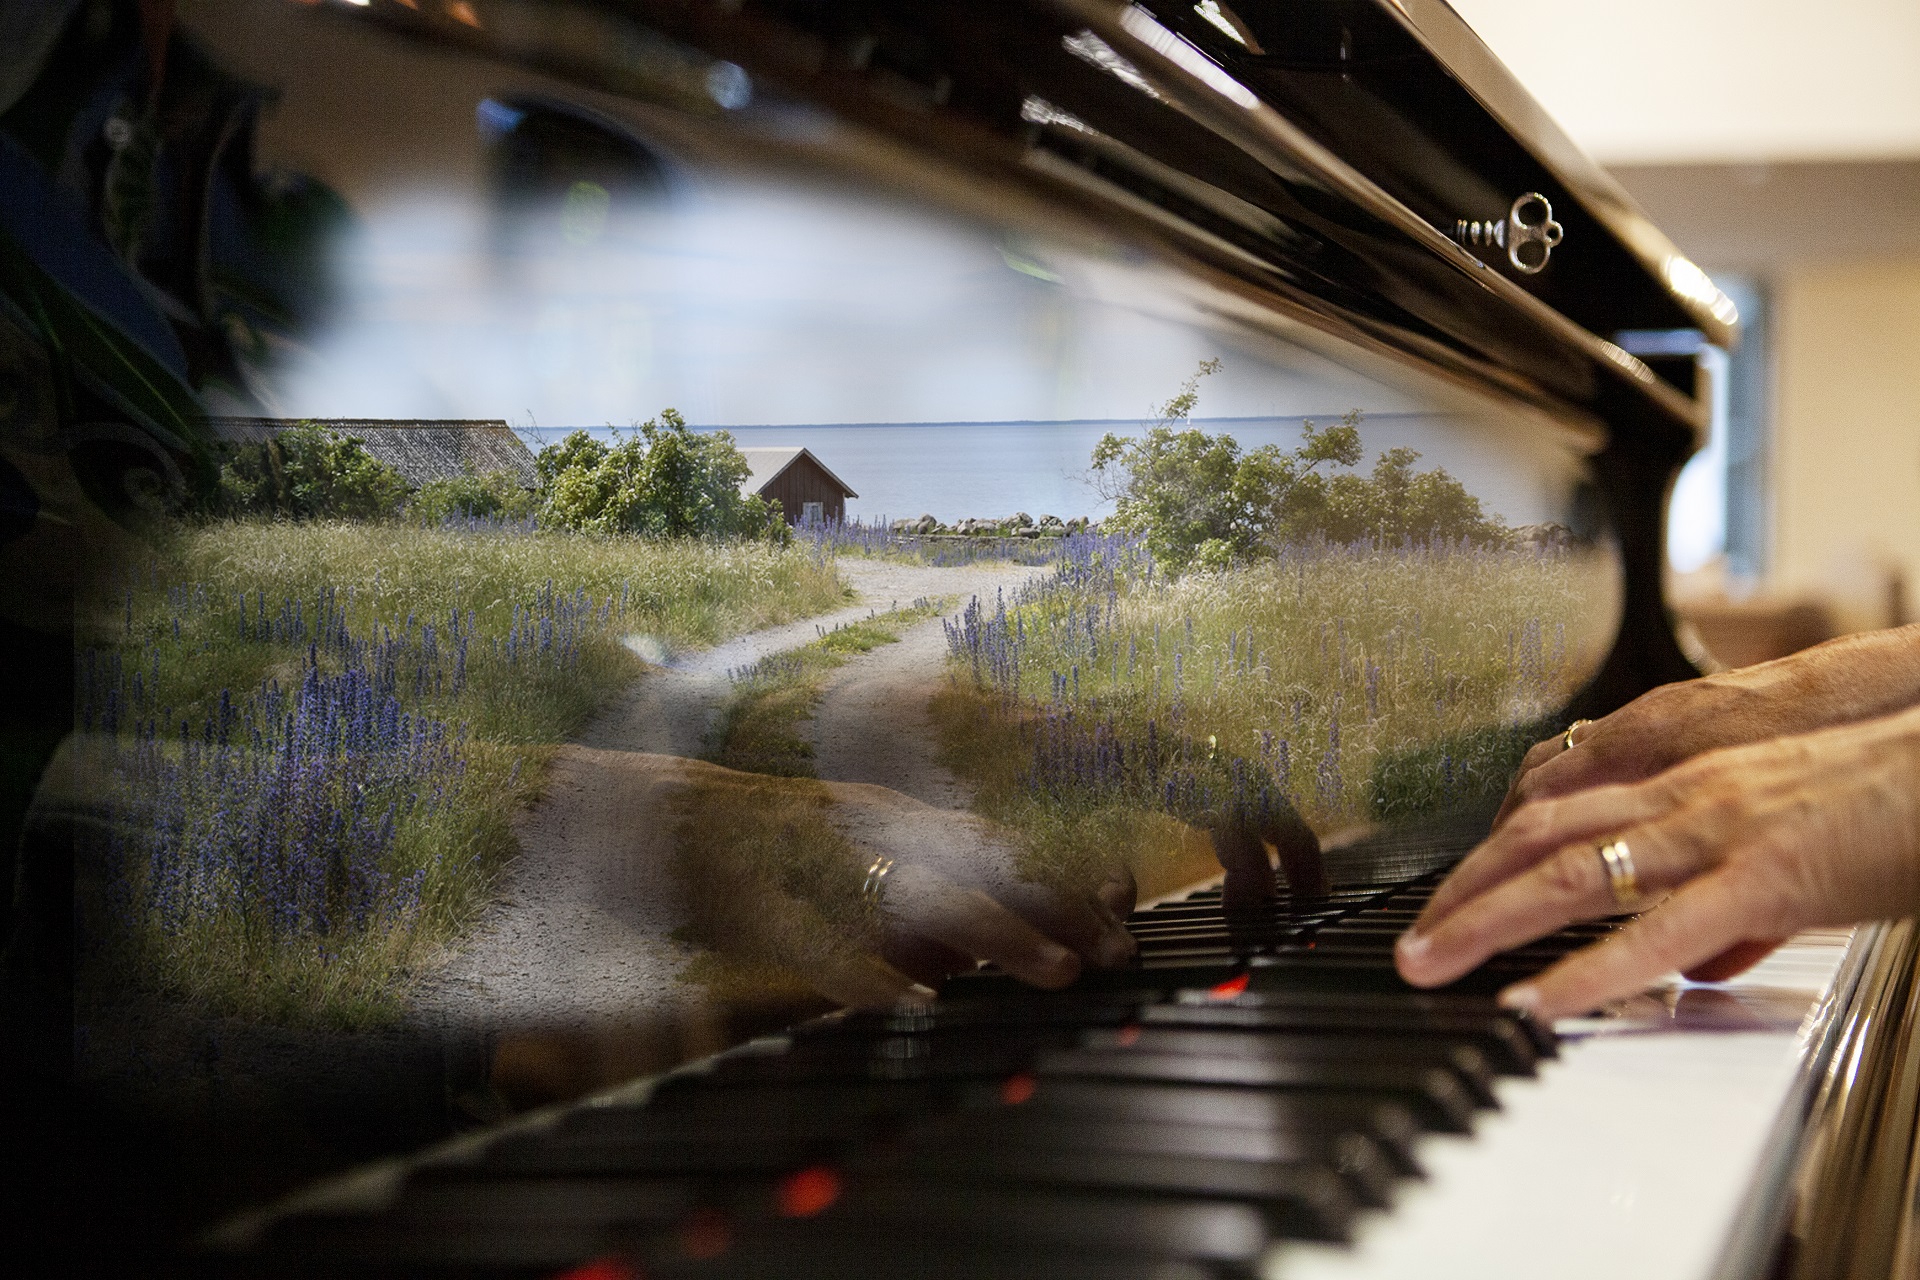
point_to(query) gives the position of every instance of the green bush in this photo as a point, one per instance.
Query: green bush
(664, 481)
(309, 472)
(1200, 502)
(495, 493)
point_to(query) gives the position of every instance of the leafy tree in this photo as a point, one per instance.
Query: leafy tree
(664, 481)
(309, 472)
(1200, 502)
(495, 493)
(1190, 495)
(578, 450)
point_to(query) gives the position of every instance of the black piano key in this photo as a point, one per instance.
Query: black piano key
(937, 1213)
(738, 1156)
(1508, 1048)
(852, 1101)
(1071, 1151)
(1411, 1008)
(1335, 1051)
(1165, 1105)
(646, 1124)
(797, 1256)
(1436, 1095)
(1297, 1200)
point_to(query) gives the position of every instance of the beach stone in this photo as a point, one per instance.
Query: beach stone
(1550, 534)
(1052, 522)
(1020, 520)
(925, 524)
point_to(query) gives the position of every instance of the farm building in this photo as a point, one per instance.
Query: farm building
(420, 450)
(799, 482)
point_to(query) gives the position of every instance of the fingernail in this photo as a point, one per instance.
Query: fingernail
(1521, 999)
(1413, 946)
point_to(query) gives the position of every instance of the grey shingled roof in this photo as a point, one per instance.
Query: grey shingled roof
(419, 449)
(766, 465)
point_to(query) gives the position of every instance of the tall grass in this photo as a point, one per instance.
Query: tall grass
(1351, 682)
(313, 737)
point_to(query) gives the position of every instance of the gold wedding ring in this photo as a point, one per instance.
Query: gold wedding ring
(1618, 861)
(1566, 739)
(876, 881)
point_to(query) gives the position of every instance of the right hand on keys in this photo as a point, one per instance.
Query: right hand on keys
(1845, 680)
(1752, 842)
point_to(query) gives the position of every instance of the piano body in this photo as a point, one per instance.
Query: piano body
(1356, 181)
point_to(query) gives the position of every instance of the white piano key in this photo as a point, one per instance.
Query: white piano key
(1630, 1156)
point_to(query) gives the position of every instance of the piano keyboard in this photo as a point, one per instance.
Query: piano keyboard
(1258, 1096)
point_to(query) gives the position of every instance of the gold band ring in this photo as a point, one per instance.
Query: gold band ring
(876, 881)
(1618, 861)
(1566, 739)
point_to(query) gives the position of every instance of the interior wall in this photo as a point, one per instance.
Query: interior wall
(1846, 442)
(1674, 81)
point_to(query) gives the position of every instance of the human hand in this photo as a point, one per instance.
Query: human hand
(1242, 840)
(1752, 843)
(1845, 680)
(953, 897)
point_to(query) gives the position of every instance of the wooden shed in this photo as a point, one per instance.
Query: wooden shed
(799, 482)
(419, 449)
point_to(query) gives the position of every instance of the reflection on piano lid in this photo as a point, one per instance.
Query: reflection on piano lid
(1260, 1094)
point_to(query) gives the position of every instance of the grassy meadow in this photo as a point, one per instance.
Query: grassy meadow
(314, 736)
(1357, 683)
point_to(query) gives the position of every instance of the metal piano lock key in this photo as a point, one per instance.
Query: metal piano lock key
(1528, 233)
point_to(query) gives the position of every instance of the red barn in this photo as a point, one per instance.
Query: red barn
(799, 482)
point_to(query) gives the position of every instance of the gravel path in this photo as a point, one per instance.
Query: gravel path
(582, 930)
(872, 723)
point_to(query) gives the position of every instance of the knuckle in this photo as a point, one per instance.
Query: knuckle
(1533, 823)
(1657, 937)
(1568, 873)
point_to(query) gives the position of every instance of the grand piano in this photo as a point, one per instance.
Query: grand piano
(1356, 182)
